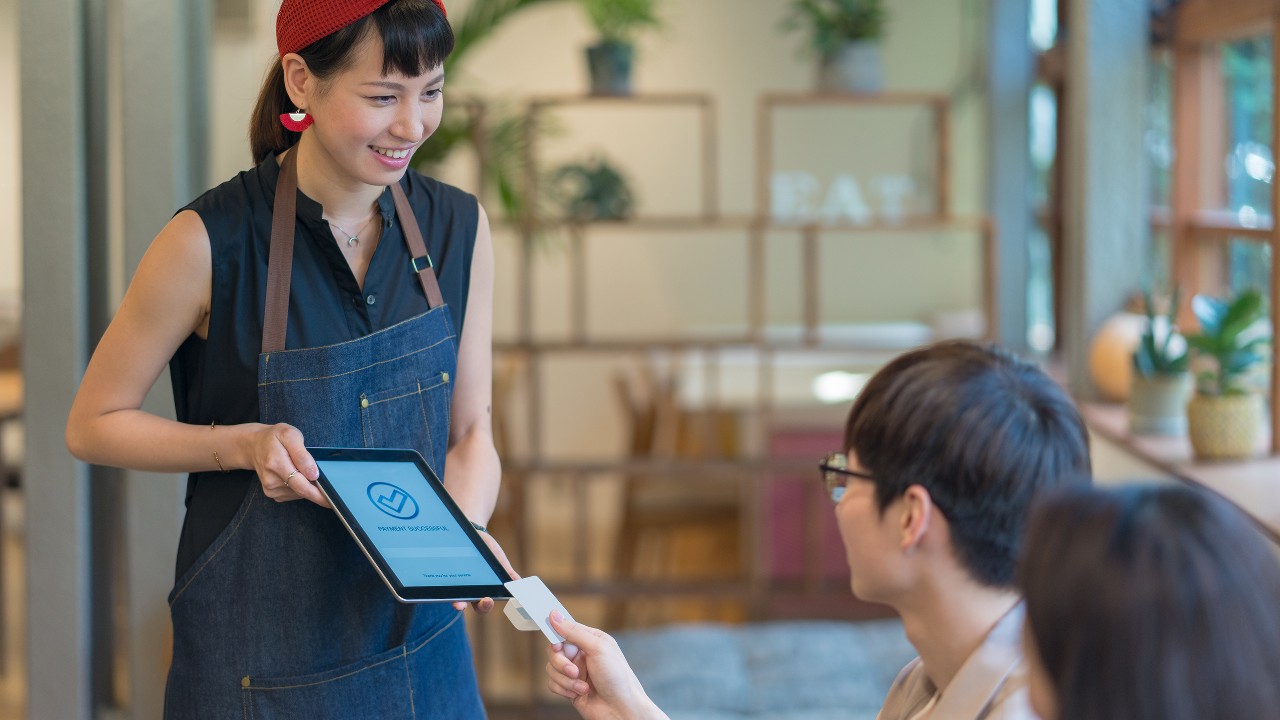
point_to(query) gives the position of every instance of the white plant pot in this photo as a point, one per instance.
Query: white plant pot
(856, 67)
(1157, 405)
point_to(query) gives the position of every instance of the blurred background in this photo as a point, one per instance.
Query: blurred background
(699, 264)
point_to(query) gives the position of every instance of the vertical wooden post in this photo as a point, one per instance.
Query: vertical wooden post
(811, 285)
(528, 223)
(757, 288)
(991, 278)
(942, 113)
(764, 156)
(578, 283)
(710, 162)
(1188, 81)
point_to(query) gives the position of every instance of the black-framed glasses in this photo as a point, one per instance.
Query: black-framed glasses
(836, 474)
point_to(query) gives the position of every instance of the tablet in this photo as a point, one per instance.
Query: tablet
(403, 519)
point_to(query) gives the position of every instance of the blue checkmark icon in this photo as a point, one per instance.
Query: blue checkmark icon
(393, 501)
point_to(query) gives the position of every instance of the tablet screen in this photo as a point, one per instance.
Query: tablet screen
(407, 524)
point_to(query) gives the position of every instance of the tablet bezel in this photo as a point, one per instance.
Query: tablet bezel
(405, 593)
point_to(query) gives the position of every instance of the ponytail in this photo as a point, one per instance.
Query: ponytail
(266, 134)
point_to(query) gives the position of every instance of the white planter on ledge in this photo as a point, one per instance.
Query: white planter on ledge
(856, 67)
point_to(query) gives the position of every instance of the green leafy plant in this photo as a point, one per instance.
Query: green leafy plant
(1230, 336)
(619, 21)
(591, 190)
(1161, 349)
(831, 23)
(498, 134)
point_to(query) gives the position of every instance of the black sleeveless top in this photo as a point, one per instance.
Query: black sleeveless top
(216, 379)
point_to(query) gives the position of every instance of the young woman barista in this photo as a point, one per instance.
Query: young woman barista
(328, 296)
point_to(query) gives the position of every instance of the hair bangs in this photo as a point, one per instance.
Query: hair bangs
(416, 37)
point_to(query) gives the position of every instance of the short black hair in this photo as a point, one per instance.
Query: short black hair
(1152, 602)
(979, 428)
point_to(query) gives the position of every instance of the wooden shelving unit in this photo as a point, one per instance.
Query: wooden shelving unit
(753, 474)
(1200, 27)
(534, 351)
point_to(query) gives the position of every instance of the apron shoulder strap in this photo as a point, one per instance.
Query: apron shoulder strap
(280, 261)
(417, 248)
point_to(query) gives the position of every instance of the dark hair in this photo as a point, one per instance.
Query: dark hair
(1153, 602)
(415, 38)
(979, 428)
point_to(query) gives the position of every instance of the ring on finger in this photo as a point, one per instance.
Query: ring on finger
(289, 477)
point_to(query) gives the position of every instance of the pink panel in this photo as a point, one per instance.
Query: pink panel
(786, 522)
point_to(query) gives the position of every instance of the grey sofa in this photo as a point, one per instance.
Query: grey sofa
(820, 670)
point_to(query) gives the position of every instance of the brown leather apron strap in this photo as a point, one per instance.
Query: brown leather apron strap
(418, 257)
(280, 261)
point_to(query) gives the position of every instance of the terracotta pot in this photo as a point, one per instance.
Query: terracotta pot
(1224, 427)
(1158, 404)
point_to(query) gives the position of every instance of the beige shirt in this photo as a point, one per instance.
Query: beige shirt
(991, 685)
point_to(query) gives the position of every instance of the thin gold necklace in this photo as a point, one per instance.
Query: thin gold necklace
(353, 239)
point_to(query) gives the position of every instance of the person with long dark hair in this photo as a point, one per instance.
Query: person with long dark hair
(1149, 603)
(329, 296)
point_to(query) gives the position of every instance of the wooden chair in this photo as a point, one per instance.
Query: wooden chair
(660, 512)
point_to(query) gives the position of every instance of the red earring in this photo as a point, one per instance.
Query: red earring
(297, 121)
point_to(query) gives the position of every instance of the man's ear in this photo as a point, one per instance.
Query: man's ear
(296, 77)
(917, 517)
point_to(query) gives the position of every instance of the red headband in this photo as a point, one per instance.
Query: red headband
(302, 22)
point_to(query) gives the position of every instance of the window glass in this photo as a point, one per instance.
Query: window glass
(1043, 115)
(1043, 32)
(1249, 163)
(1159, 137)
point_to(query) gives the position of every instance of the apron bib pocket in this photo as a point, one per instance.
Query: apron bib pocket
(405, 416)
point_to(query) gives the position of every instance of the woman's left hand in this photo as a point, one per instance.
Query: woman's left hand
(484, 605)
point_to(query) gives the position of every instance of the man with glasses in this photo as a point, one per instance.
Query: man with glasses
(944, 450)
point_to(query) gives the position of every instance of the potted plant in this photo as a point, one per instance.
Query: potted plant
(845, 36)
(1225, 415)
(591, 191)
(1161, 382)
(617, 22)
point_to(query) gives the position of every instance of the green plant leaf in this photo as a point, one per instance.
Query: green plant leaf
(1142, 362)
(1207, 344)
(831, 23)
(1246, 309)
(1209, 311)
(621, 20)
(1237, 361)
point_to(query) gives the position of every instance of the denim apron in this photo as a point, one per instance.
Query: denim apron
(283, 616)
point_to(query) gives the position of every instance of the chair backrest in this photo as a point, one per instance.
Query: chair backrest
(11, 356)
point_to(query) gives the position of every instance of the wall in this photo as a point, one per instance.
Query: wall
(10, 164)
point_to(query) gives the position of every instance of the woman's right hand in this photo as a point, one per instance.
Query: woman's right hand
(590, 670)
(285, 468)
